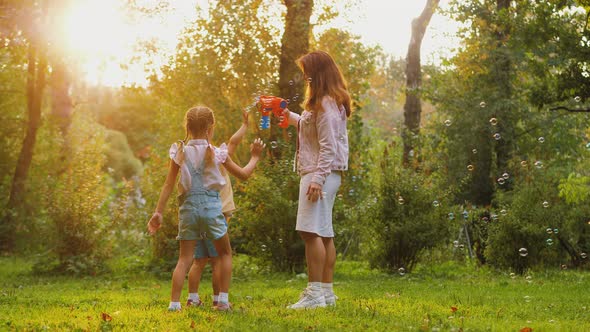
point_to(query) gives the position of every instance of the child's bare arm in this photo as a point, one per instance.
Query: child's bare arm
(235, 140)
(156, 219)
(243, 173)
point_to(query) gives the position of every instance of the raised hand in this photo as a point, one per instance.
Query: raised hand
(245, 115)
(257, 147)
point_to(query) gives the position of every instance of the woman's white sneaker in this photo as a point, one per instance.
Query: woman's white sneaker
(309, 299)
(330, 298)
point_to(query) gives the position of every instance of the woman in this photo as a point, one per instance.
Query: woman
(322, 155)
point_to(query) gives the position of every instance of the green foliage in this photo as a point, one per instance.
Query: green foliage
(534, 218)
(408, 215)
(264, 225)
(575, 189)
(121, 162)
(74, 193)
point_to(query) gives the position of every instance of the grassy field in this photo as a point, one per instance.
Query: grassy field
(448, 297)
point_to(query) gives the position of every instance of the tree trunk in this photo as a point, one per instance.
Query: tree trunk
(35, 84)
(413, 106)
(294, 43)
(502, 73)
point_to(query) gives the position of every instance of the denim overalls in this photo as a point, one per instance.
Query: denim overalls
(199, 213)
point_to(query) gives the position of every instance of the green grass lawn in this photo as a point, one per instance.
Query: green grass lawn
(422, 301)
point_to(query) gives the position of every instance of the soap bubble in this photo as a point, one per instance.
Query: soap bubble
(482, 104)
(470, 168)
(578, 99)
(505, 176)
(291, 82)
(503, 212)
(524, 163)
(512, 275)
(497, 136)
(400, 200)
(493, 121)
(523, 252)
(451, 216)
(545, 204)
(549, 242)
(501, 181)
(401, 271)
(474, 151)
(309, 80)
(448, 122)
(456, 244)
(461, 246)
(549, 230)
(555, 231)
(435, 204)
(588, 146)
(563, 267)
(541, 139)
(584, 255)
(274, 144)
(538, 164)
(465, 214)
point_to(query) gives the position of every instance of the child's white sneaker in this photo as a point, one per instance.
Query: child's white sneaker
(330, 298)
(309, 299)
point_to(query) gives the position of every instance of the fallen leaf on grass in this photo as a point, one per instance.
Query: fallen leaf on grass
(106, 317)
(453, 309)
(193, 324)
(526, 329)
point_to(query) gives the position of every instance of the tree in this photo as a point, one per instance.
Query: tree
(294, 43)
(413, 106)
(36, 71)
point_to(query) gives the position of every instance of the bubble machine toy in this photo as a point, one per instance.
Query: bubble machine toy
(275, 105)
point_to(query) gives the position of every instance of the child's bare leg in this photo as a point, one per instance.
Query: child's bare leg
(183, 265)
(194, 275)
(223, 248)
(215, 274)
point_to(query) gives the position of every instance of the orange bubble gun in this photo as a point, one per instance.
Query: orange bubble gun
(276, 105)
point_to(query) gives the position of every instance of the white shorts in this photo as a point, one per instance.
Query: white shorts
(316, 217)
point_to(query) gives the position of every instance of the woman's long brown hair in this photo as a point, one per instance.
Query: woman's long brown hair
(324, 79)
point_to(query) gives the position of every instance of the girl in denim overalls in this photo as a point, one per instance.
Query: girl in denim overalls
(199, 204)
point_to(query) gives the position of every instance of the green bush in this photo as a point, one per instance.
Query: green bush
(408, 216)
(121, 162)
(533, 218)
(75, 191)
(264, 225)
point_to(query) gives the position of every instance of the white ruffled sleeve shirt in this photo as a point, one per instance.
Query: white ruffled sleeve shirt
(194, 154)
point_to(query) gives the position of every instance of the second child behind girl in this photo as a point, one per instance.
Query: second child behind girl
(199, 203)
